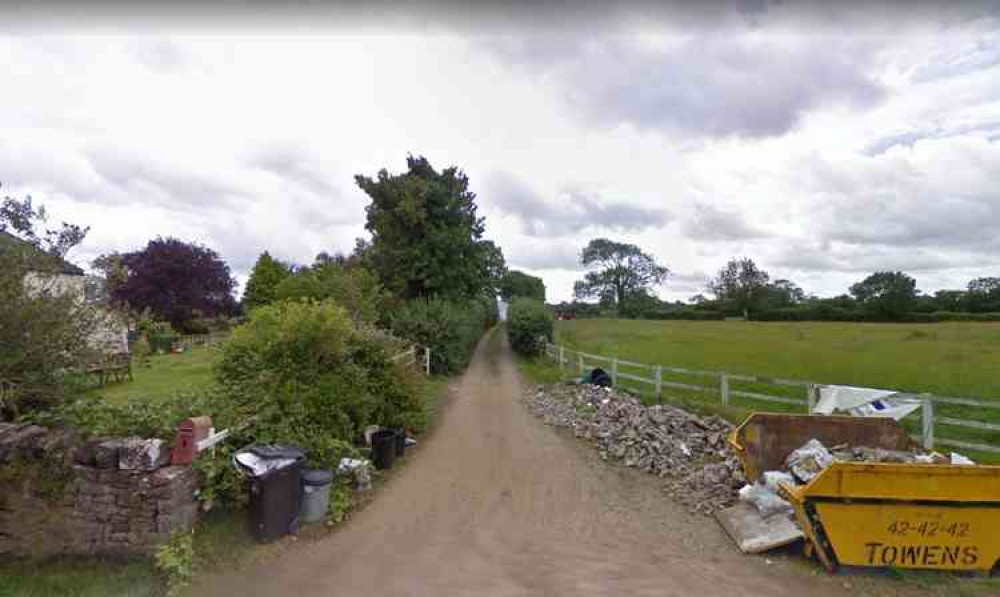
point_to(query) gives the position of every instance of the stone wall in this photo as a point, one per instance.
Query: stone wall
(62, 495)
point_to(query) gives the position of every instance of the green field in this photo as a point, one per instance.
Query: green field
(946, 359)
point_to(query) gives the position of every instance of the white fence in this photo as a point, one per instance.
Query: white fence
(409, 357)
(718, 382)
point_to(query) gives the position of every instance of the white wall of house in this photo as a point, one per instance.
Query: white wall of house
(110, 335)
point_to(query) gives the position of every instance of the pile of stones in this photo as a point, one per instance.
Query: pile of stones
(688, 450)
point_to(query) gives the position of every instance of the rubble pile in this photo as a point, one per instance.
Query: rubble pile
(661, 440)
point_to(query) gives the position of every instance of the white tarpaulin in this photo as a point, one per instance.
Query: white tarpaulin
(864, 402)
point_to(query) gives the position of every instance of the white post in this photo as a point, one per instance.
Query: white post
(614, 372)
(562, 357)
(811, 391)
(581, 363)
(928, 420)
(427, 361)
(724, 389)
(659, 384)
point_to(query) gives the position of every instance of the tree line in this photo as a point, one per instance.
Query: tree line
(623, 279)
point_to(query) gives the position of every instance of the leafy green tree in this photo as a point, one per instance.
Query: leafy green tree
(20, 218)
(741, 285)
(263, 283)
(950, 300)
(983, 295)
(355, 289)
(426, 236)
(780, 294)
(622, 271)
(886, 295)
(517, 283)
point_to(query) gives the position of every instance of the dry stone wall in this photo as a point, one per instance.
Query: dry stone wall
(62, 495)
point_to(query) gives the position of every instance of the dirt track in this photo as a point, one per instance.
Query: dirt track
(497, 503)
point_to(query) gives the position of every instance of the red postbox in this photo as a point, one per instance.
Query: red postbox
(189, 433)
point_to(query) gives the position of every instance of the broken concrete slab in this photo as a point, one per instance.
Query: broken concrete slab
(753, 533)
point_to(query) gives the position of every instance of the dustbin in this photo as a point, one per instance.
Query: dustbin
(400, 441)
(273, 474)
(315, 494)
(383, 449)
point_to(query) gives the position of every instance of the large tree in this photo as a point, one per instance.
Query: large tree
(886, 295)
(741, 285)
(621, 272)
(177, 281)
(426, 236)
(262, 285)
(517, 283)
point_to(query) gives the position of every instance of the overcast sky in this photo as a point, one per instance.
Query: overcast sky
(750, 128)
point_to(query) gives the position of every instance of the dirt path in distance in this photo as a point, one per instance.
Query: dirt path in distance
(496, 503)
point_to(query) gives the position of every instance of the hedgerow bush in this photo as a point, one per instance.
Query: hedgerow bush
(527, 321)
(685, 315)
(309, 377)
(450, 329)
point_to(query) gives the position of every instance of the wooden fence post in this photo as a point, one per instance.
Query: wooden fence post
(811, 391)
(427, 361)
(614, 372)
(659, 384)
(928, 420)
(724, 388)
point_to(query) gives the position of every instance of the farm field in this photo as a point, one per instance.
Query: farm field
(946, 359)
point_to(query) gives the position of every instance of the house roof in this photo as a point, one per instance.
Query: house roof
(9, 242)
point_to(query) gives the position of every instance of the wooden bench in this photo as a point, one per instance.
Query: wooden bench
(116, 366)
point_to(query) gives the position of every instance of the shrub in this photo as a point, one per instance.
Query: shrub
(175, 561)
(527, 321)
(451, 330)
(311, 378)
(43, 334)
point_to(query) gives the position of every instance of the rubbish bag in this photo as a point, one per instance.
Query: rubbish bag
(600, 377)
(809, 460)
(767, 502)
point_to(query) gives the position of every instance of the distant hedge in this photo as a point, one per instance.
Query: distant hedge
(527, 321)
(685, 314)
(826, 313)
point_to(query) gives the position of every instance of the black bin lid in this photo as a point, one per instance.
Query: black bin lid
(317, 477)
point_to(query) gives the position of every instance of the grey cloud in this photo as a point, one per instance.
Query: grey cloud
(537, 256)
(975, 54)
(159, 55)
(572, 212)
(943, 194)
(711, 223)
(139, 178)
(711, 86)
(862, 258)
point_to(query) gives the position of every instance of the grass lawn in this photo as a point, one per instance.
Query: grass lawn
(165, 375)
(947, 359)
(79, 577)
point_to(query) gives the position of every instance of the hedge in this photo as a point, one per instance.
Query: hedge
(451, 330)
(527, 321)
